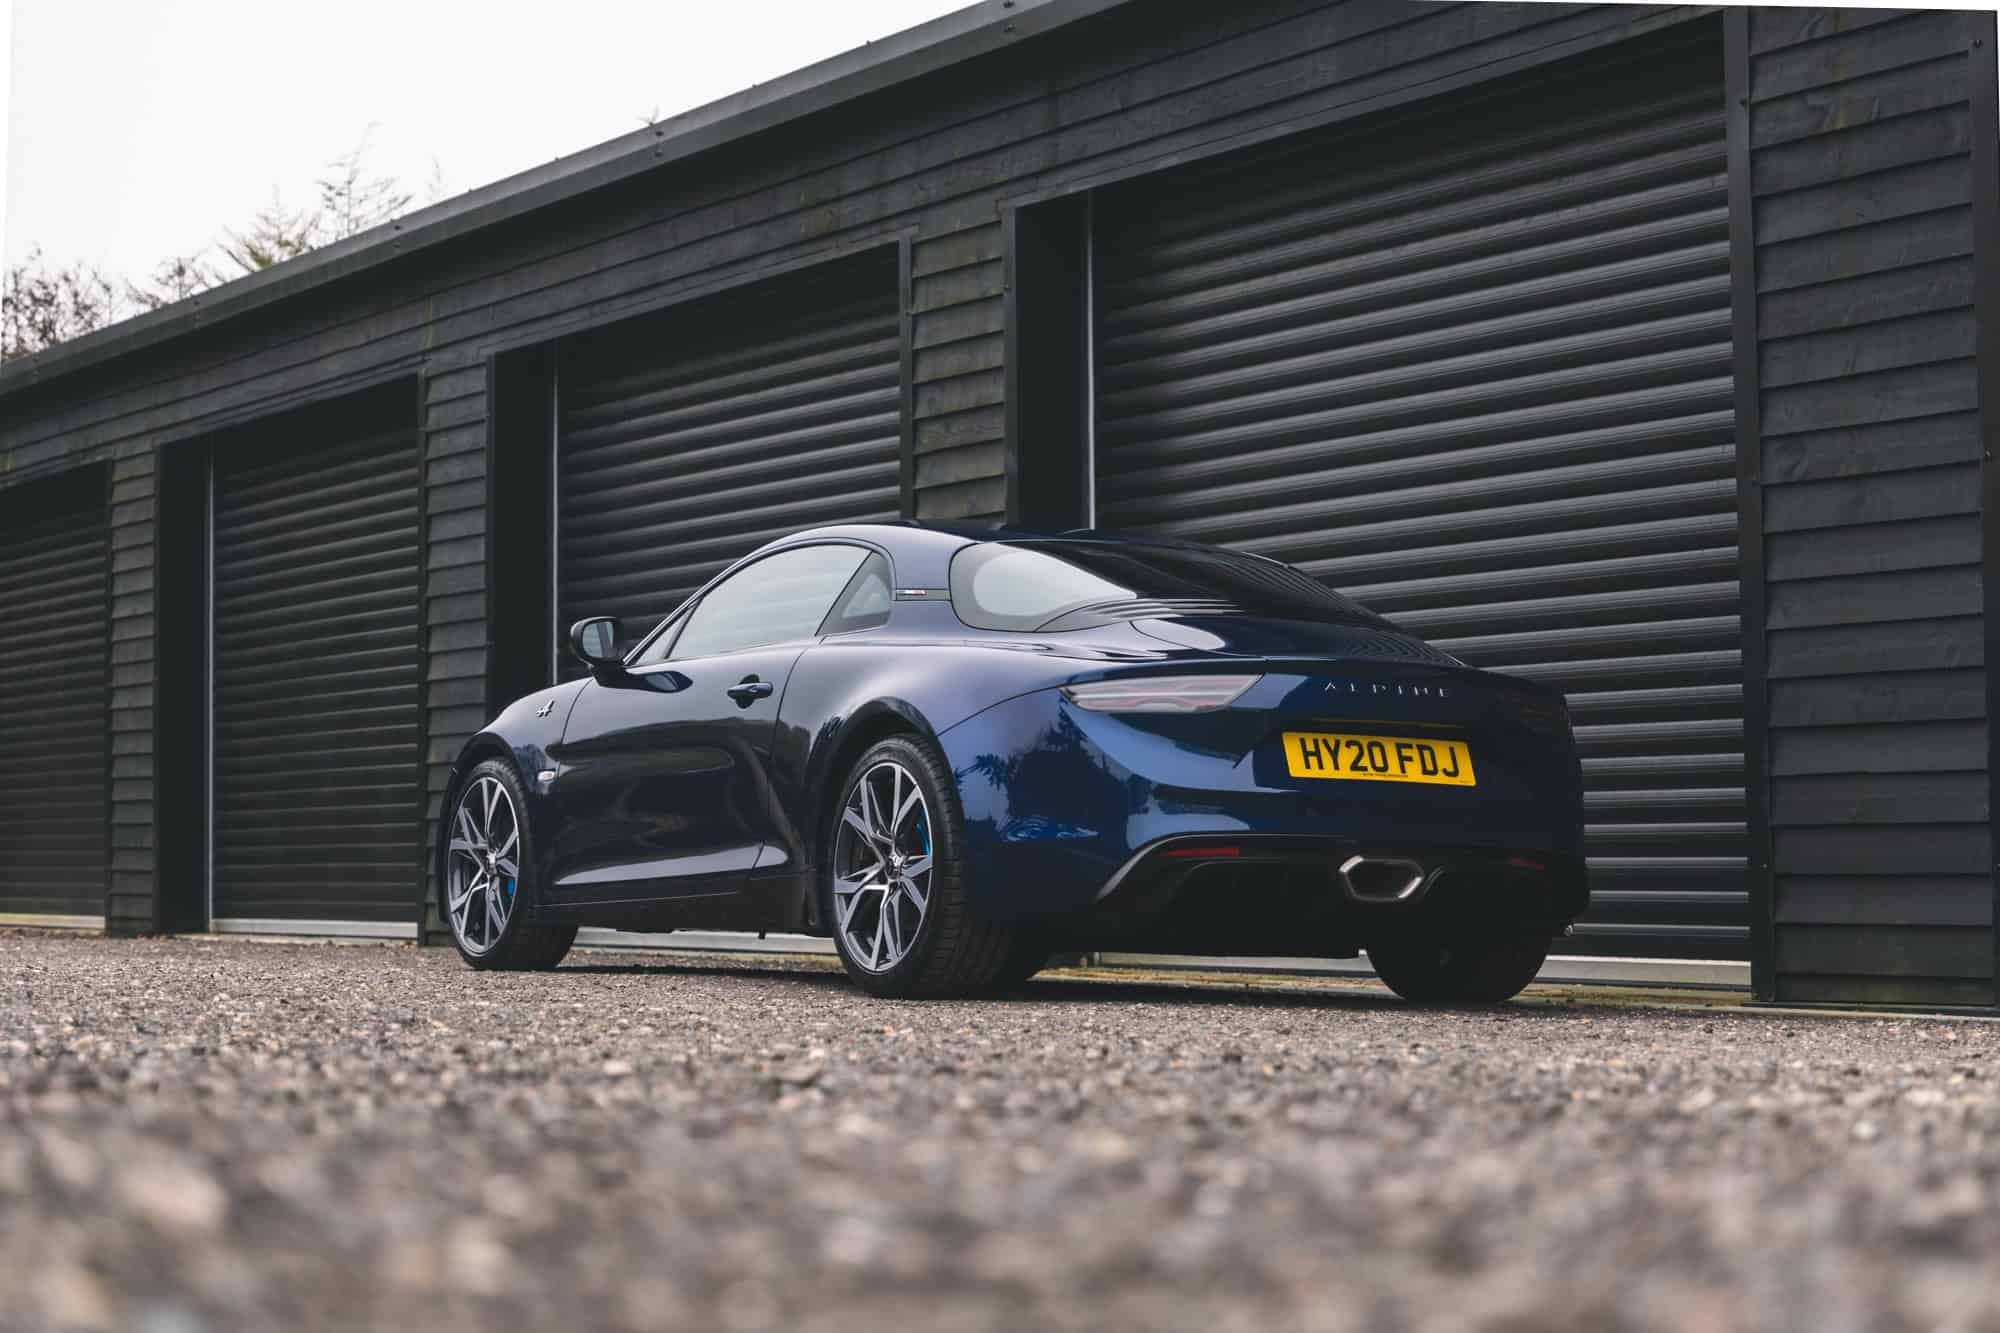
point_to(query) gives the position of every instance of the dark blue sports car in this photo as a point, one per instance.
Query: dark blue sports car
(956, 752)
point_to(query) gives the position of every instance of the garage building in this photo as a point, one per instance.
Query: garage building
(1647, 351)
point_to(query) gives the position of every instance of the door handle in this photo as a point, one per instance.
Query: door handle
(749, 689)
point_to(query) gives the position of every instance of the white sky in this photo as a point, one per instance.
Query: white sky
(137, 129)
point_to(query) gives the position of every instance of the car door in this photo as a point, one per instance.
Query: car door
(662, 781)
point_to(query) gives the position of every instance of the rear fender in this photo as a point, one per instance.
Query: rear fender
(1048, 813)
(842, 693)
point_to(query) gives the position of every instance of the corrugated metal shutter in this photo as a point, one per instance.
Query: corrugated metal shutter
(54, 696)
(1474, 369)
(687, 439)
(318, 668)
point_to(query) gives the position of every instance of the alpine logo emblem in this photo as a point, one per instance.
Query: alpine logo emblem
(546, 709)
(1389, 689)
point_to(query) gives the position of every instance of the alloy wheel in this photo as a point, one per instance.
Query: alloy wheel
(484, 866)
(882, 866)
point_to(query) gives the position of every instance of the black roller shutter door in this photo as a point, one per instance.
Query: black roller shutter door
(688, 438)
(317, 667)
(1474, 369)
(54, 697)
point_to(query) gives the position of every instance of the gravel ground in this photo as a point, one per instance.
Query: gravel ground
(203, 1135)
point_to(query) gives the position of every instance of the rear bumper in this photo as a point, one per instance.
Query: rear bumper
(1072, 817)
(1306, 895)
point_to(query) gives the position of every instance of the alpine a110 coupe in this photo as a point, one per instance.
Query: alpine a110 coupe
(958, 752)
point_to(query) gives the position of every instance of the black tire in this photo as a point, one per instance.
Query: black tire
(952, 952)
(1462, 970)
(520, 947)
(1029, 955)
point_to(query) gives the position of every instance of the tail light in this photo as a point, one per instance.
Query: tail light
(1159, 694)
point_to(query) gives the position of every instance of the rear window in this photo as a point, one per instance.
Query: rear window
(1057, 585)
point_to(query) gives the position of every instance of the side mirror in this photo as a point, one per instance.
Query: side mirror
(594, 642)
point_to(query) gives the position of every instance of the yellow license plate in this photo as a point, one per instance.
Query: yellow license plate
(1322, 754)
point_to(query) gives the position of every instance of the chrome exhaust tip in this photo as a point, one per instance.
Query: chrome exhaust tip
(1382, 879)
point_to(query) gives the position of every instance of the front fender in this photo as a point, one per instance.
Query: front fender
(524, 732)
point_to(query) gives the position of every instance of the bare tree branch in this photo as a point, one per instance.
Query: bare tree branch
(274, 235)
(41, 306)
(351, 201)
(174, 279)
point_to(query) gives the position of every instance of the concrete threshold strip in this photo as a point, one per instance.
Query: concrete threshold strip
(353, 930)
(51, 921)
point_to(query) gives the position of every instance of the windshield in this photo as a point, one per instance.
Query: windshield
(1056, 584)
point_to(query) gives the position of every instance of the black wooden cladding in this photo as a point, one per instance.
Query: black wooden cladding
(1861, 179)
(136, 648)
(318, 664)
(54, 696)
(1474, 370)
(179, 734)
(689, 438)
(474, 544)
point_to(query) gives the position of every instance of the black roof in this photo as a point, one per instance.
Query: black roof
(960, 36)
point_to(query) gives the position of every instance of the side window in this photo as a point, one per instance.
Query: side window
(780, 598)
(865, 602)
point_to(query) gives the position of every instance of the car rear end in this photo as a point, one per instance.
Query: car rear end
(1215, 778)
(1339, 798)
